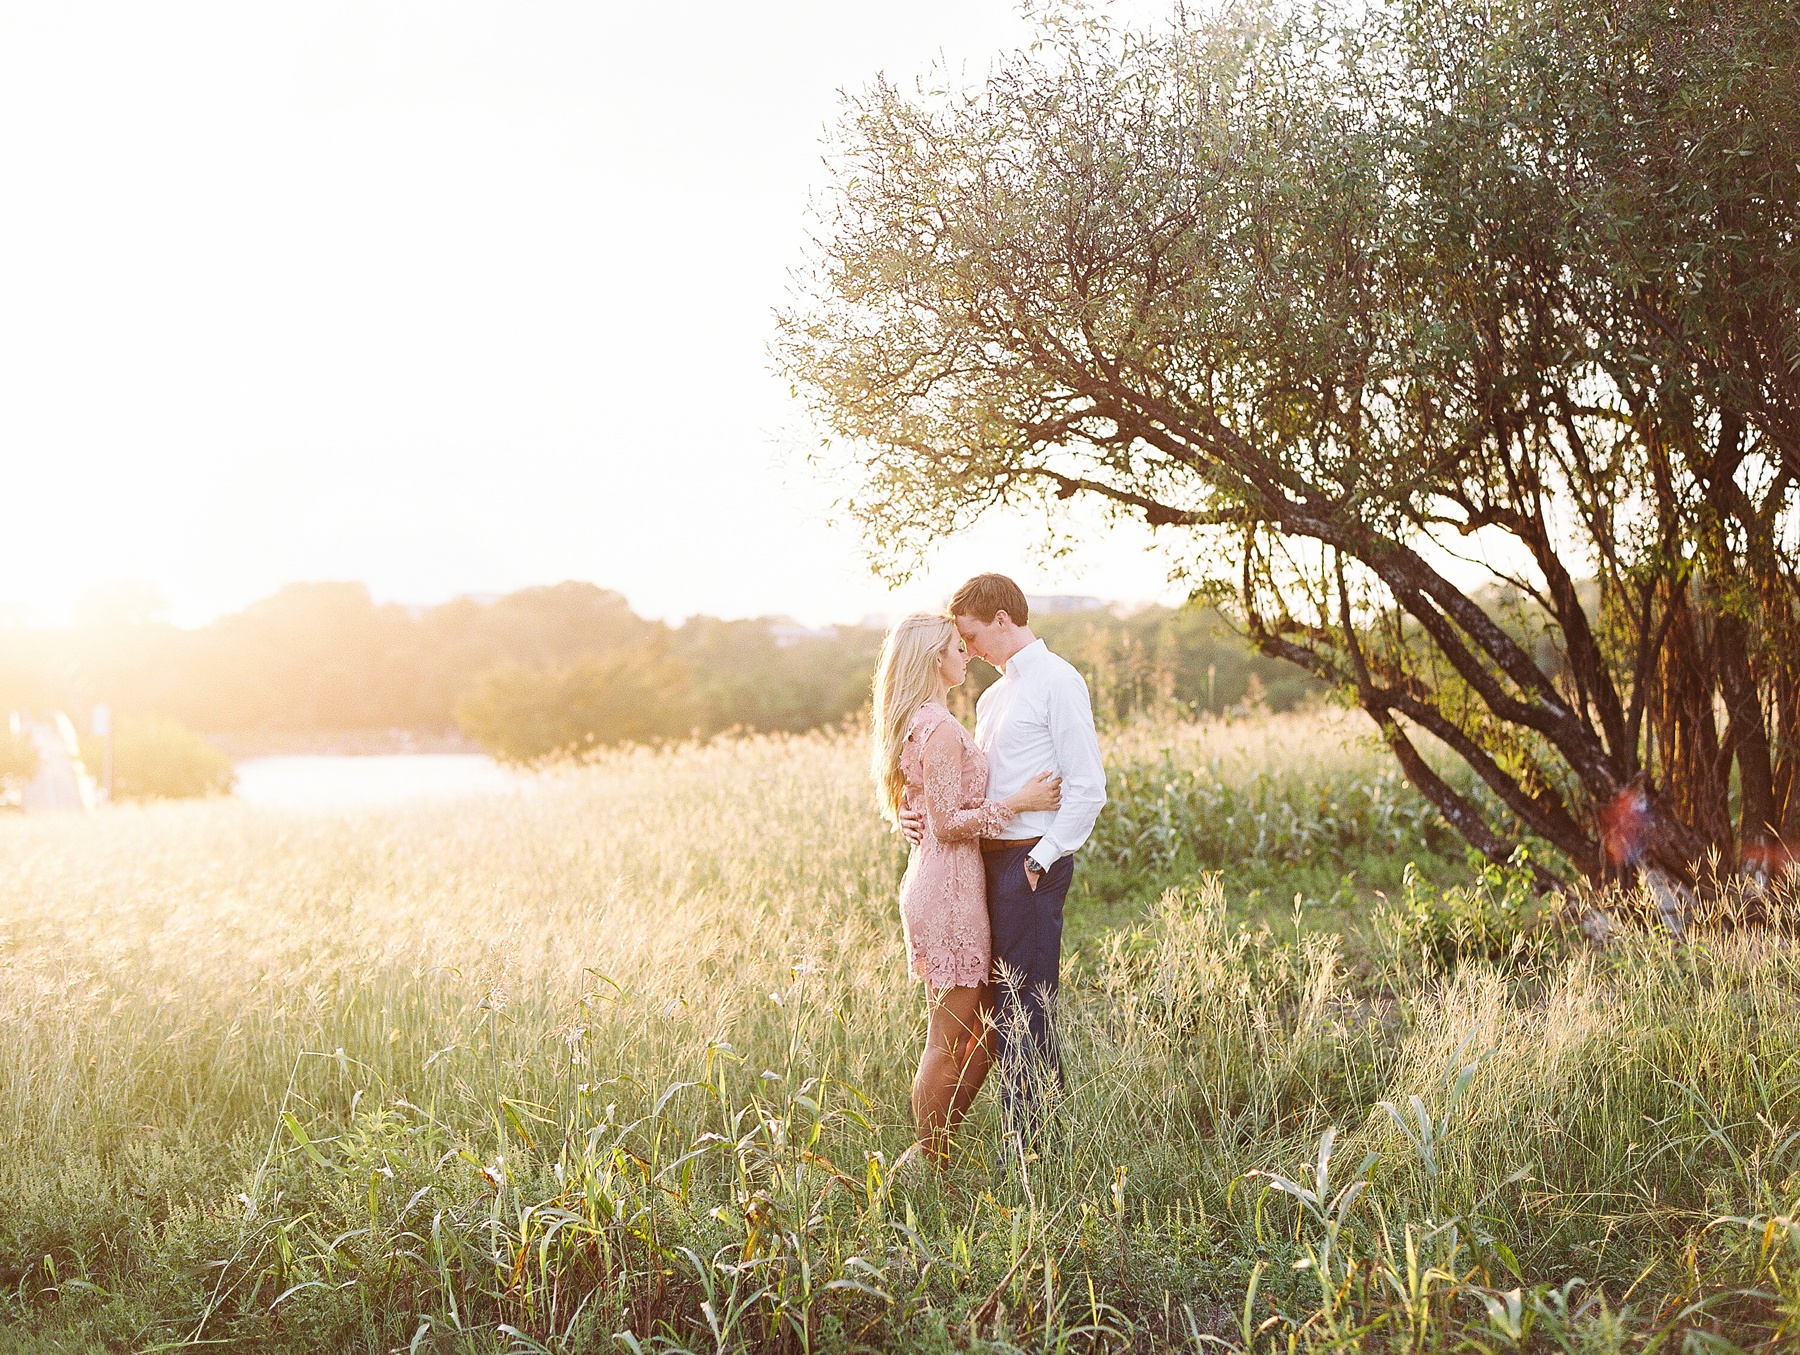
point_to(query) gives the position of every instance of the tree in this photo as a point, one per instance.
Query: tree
(522, 714)
(1459, 339)
(743, 677)
(156, 758)
(1163, 660)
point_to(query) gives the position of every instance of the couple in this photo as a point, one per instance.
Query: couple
(994, 821)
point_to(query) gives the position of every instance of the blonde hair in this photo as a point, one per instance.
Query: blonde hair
(905, 679)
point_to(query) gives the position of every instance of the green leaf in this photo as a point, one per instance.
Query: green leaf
(299, 1135)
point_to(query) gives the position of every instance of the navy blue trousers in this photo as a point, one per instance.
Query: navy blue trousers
(1027, 927)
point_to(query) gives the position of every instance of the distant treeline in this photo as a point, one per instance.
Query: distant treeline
(555, 668)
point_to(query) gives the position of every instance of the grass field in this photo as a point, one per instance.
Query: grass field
(618, 1064)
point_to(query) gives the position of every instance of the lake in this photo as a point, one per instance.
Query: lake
(337, 781)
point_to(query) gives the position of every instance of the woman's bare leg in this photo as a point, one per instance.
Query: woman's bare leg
(954, 1027)
(974, 1059)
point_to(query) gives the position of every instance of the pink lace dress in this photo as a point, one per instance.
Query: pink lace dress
(943, 899)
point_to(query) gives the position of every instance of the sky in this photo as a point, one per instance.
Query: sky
(449, 298)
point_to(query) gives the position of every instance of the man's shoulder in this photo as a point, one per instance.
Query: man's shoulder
(1059, 670)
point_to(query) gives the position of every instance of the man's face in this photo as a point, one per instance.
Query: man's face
(982, 637)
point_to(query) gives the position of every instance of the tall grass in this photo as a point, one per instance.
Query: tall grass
(1297, 801)
(620, 1062)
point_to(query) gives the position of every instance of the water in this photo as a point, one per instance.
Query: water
(339, 782)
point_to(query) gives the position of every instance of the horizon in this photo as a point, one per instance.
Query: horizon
(131, 602)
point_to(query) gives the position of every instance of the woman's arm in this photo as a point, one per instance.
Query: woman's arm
(944, 814)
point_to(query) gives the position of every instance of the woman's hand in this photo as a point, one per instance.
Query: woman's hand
(1043, 791)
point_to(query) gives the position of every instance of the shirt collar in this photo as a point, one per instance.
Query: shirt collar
(1026, 658)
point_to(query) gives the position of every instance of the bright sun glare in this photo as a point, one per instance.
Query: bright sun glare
(446, 298)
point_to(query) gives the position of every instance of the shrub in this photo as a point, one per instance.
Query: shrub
(1499, 916)
(161, 759)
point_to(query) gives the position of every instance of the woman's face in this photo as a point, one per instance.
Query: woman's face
(953, 666)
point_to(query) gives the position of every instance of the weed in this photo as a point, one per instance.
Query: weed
(622, 1062)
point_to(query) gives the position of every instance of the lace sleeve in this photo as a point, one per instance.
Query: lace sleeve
(948, 820)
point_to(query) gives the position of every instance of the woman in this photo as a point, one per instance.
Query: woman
(925, 760)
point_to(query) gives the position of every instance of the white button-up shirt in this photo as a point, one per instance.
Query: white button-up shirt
(1038, 718)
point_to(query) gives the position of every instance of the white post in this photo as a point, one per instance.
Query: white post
(101, 723)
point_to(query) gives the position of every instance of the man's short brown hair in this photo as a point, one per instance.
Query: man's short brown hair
(987, 595)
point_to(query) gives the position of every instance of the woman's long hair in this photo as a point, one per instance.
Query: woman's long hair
(905, 679)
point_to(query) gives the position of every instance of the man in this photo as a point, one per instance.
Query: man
(1037, 717)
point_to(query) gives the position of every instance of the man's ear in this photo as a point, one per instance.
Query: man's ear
(1000, 613)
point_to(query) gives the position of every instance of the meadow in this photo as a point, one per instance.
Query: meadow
(620, 1063)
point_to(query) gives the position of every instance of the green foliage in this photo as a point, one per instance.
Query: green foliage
(710, 676)
(1498, 915)
(1163, 815)
(321, 657)
(523, 714)
(160, 759)
(744, 678)
(325, 658)
(1343, 292)
(1163, 660)
(624, 1064)
(1255, 799)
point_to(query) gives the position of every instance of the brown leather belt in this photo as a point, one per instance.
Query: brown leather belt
(1006, 844)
